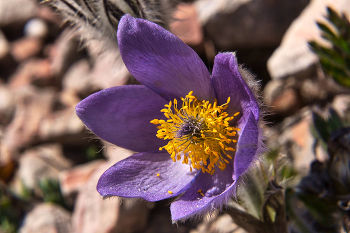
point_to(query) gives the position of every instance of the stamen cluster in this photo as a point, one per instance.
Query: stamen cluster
(198, 130)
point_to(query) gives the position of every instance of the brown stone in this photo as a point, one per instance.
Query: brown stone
(26, 47)
(7, 168)
(69, 98)
(93, 214)
(299, 141)
(47, 218)
(286, 102)
(62, 126)
(186, 24)
(72, 180)
(272, 89)
(33, 71)
(77, 76)
(16, 11)
(41, 163)
(32, 105)
(7, 154)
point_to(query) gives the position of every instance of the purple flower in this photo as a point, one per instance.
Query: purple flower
(196, 134)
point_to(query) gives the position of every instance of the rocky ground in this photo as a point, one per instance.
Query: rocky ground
(49, 162)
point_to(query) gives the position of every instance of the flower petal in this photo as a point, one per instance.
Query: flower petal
(161, 61)
(228, 82)
(216, 188)
(136, 176)
(121, 115)
(247, 145)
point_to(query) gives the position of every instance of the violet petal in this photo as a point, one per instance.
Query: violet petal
(136, 176)
(247, 145)
(161, 61)
(121, 115)
(221, 186)
(216, 189)
(228, 82)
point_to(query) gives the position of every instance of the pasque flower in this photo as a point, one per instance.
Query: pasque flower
(195, 133)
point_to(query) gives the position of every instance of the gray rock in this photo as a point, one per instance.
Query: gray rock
(47, 218)
(245, 23)
(293, 56)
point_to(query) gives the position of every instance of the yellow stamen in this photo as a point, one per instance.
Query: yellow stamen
(170, 192)
(158, 174)
(199, 131)
(200, 192)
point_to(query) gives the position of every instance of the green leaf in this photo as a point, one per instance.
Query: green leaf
(321, 127)
(334, 121)
(327, 32)
(335, 60)
(52, 192)
(251, 194)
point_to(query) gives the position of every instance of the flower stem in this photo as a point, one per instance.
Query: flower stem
(253, 225)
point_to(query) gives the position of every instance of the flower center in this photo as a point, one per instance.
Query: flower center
(199, 131)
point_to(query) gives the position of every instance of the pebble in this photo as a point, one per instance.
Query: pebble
(36, 28)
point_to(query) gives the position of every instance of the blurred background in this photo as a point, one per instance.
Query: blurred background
(50, 164)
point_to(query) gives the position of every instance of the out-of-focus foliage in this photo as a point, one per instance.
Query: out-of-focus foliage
(325, 127)
(8, 218)
(13, 207)
(93, 152)
(260, 202)
(51, 192)
(335, 60)
(320, 202)
(10, 211)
